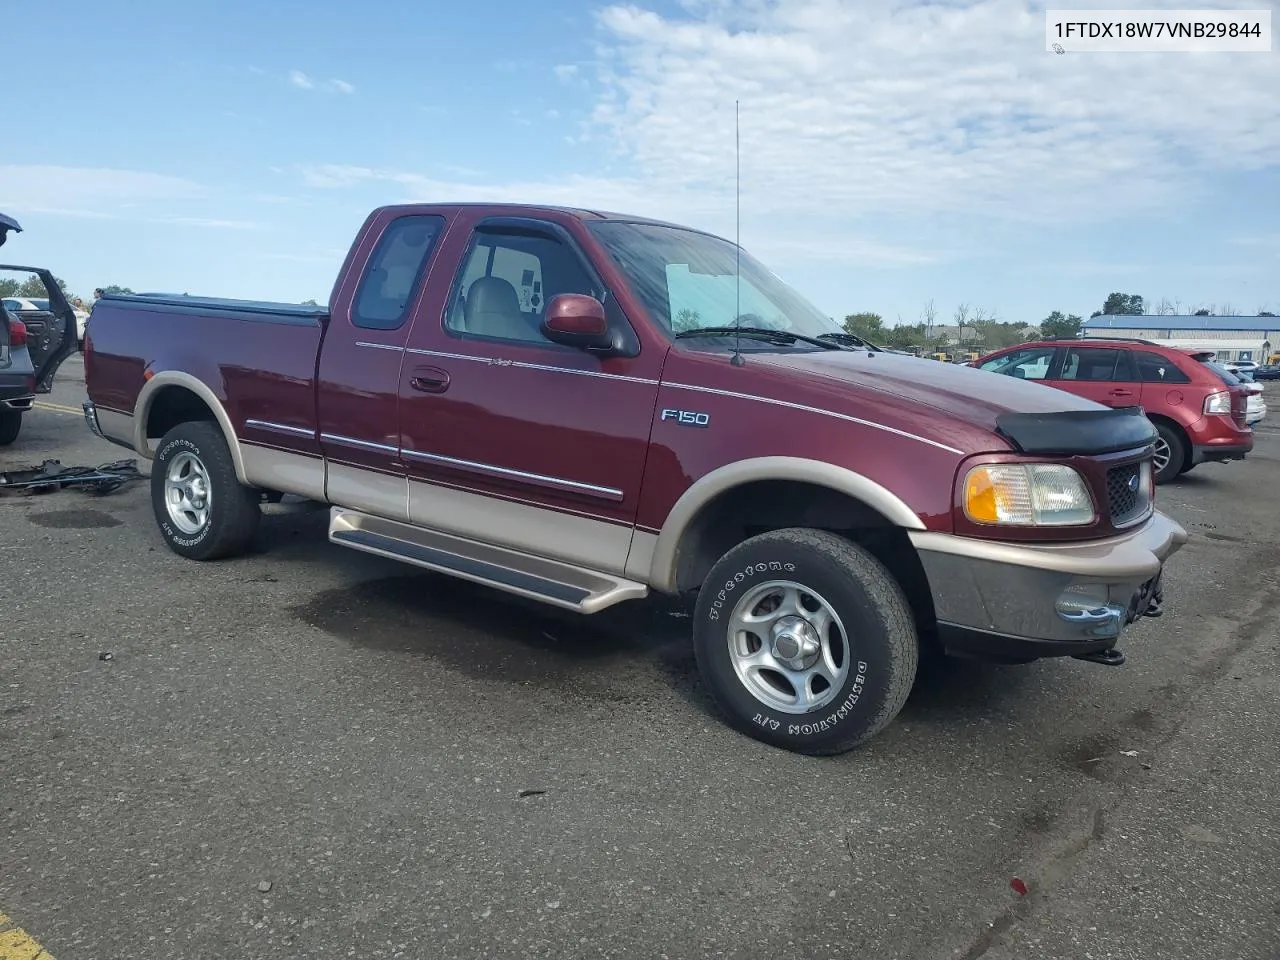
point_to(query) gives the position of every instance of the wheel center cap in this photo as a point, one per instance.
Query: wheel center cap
(795, 643)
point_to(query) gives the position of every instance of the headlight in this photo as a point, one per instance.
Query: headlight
(1027, 494)
(1219, 402)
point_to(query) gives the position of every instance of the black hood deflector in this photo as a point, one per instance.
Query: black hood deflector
(1073, 432)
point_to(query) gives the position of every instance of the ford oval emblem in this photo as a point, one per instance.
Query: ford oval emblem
(1133, 483)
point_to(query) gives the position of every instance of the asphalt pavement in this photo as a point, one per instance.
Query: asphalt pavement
(313, 753)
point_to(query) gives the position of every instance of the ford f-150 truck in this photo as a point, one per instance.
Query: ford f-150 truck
(583, 407)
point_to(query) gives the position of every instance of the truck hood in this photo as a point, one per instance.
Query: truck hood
(967, 394)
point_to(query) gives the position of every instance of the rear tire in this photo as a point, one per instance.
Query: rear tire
(10, 426)
(203, 511)
(1171, 449)
(805, 641)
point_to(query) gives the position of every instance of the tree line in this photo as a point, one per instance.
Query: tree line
(980, 329)
(33, 286)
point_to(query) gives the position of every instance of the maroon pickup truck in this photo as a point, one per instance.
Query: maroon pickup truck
(582, 408)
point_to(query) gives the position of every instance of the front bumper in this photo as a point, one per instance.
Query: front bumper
(1017, 602)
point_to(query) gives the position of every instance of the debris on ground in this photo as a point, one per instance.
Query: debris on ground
(531, 793)
(52, 476)
(106, 655)
(264, 886)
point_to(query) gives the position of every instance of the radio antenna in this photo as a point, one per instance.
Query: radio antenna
(736, 360)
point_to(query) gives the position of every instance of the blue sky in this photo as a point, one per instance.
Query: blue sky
(893, 153)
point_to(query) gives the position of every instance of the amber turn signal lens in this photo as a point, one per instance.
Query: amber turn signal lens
(1027, 494)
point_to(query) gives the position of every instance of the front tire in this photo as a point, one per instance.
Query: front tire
(10, 426)
(203, 510)
(805, 641)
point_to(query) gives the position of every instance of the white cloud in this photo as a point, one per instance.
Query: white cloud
(889, 107)
(864, 123)
(209, 222)
(620, 195)
(87, 188)
(303, 82)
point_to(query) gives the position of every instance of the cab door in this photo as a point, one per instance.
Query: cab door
(509, 438)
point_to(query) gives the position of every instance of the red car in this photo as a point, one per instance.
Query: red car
(1197, 407)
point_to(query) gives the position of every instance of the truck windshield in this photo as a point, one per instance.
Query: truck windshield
(689, 280)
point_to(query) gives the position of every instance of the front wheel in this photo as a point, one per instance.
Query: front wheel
(203, 510)
(805, 641)
(10, 426)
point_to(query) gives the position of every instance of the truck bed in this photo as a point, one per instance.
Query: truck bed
(267, 311)
(257, 358)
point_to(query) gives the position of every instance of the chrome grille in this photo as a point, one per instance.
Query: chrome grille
(1127, 496)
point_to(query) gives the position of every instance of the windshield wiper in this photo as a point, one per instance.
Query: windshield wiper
(850, 339)
(777, 336)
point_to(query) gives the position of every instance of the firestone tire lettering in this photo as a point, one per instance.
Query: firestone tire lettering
(772, 566)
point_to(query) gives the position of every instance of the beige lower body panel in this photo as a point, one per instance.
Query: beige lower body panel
(565, 537)
(380, 494)
(281, 470)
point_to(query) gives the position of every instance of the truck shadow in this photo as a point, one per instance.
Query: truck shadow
(638, 652)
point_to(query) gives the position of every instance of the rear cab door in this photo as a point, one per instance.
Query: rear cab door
(389, 272)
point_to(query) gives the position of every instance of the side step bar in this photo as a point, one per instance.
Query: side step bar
(550, 581)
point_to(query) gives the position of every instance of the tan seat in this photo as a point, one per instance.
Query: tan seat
(493, 310)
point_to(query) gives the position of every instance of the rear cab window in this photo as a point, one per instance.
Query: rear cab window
(395, 272)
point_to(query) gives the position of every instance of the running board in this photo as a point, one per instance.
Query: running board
(550, 581)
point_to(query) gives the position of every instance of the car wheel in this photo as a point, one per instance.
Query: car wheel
(1170, 453)
(10, 426)
(204, 512)
(805, 641)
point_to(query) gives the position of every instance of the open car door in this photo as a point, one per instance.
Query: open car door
(51, 334)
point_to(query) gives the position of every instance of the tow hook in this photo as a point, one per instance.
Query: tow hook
(1108, 658)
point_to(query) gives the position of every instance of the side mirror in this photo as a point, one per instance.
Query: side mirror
(577, 320)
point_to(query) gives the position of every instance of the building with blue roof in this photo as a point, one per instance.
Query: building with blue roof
(1231, 338)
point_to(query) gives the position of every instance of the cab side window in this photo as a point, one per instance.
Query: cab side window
(506, 280)
(395, 272)
(1031, 363)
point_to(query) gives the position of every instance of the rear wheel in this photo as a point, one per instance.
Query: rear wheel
(203, 510)
(10, 426)
(1170, 452)
(805, 641)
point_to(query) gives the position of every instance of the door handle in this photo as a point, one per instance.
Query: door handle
(1122, 393)
(429, 379)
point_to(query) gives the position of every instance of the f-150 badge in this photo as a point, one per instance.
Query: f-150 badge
(687, 418)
